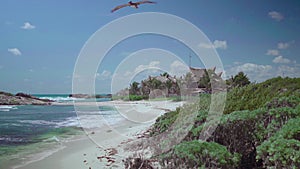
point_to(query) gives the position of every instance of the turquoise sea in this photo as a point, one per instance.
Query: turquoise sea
(26, 130)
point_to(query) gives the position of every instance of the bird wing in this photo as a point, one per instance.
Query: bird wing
(144, 2)
(119, 7)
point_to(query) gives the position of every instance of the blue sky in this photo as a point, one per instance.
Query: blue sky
(41, 40)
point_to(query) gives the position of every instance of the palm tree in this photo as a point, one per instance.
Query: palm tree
(134, 88)
(240, 80)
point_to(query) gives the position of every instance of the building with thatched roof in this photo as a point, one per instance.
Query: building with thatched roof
(197, 75)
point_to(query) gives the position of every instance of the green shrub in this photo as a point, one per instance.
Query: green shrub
(282, 149)
(137, 97)
(196, 154)
(254, 96)
(5, 93)
(253, 114)
(163, 122)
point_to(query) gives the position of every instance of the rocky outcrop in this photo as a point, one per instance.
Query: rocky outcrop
(21, 99)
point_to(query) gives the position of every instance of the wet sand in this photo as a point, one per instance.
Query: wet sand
(103, 148)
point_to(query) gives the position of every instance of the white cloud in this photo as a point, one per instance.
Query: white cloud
(251, 67)
(27, 26)
(276, 15)
(255, 72)
(220, 44)
(260, 73)
(282, 45)
(152, 64)
(289, 71)
(272, 52)
(178, 68)
(152, 67)
(216, 44)
(15, 51)
(281, 59)
(104, 75)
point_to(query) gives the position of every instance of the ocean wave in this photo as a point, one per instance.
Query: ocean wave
(69, 122)
(7, 108)
(38, 122)
(11, 140)
(52, 139)
(87, 119)
(62, 99)
(98, 120)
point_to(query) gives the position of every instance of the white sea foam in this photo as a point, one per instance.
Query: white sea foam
(39, 122)
(69, 122)
(62, 99)
(90, 120)
(7, 108)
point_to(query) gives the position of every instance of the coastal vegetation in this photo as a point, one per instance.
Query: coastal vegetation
(259, 128)
(167, 86)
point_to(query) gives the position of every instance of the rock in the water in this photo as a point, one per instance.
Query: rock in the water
(21, 99)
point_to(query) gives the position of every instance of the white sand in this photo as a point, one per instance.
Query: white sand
(82, 153)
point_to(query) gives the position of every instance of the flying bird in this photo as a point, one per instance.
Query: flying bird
(132, 4)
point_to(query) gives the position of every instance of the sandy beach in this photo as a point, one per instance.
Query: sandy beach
(104, 147)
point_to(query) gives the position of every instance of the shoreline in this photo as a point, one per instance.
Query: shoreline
(85, 150)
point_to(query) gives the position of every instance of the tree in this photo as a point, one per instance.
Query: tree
(166, 74)
(238, 80)
(134, 88)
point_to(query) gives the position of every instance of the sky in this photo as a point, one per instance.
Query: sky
(40, 41)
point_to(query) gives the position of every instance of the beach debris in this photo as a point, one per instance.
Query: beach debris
(85, 162)
(110, 160)
(127, 141)
(111, 151)
(145, 134)
(108, 156)
(137, 163)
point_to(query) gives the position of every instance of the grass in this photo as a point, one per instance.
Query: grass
(259, 128)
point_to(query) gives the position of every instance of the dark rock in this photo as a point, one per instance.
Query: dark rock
(21, 99)
(86, 96)
(24, 95)
(80, 96)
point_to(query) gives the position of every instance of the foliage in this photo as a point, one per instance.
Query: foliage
(166, 120)
(130, 97)
(196, 154)
(282, 149)
(5, 93)
(260, 123)
(134, 88)
(254, 96)
(163, 122)
(137, 97)
(238, 80)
